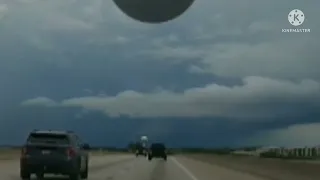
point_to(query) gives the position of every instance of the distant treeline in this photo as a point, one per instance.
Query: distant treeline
(205, 150)
(131, 147)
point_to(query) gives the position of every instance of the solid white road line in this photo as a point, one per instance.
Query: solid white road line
(183, 168)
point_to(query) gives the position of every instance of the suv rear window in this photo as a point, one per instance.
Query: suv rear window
(48, 138)
(158, 146)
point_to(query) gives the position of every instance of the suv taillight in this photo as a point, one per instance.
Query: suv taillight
(71, 152)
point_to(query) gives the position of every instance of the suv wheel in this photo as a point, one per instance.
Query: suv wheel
(165, 158)
(40, 176)
(75, 176)
(25, 175)
(149, 158)
(84, 174)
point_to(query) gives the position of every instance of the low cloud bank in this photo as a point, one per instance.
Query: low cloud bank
(258, 97)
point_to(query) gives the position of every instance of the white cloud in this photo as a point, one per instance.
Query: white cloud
(50, 16)
(228, 51)
(196, 69)
(3, 10)
(163, 41)
(35, 20)
(298, 135)
(88, 91)
(122, 40)
(250, 44)
(39, 101)
(290, 58)
(60, 22)
(283, 57)
(174, 53)
(257, 98)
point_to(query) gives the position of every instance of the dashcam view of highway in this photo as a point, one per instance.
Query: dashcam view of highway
(49, 154)
(159, 90)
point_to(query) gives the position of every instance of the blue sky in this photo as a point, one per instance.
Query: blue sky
(222, 74)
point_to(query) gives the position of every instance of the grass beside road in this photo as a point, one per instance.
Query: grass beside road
(264, 167)
(7, 153)
(247, 154)
(268, 155)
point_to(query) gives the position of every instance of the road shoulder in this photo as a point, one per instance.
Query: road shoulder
(268, 168)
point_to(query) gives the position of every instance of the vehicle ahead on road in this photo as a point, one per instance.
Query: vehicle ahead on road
(54, 152)
(141, 150)
(157, 150)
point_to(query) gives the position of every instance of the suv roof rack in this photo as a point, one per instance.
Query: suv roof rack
(53, 131)
(68, 131)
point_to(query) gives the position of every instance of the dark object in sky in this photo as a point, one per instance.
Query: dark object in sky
(153, 11)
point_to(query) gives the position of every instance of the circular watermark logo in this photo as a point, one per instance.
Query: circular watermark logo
(296, 17)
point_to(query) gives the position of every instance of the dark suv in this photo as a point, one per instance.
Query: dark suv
(157, 150)
(54, 152)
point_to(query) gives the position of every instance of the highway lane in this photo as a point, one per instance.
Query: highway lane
(127, 167)
(9, 169)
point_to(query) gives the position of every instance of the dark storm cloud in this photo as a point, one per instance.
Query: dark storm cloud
(57, 49)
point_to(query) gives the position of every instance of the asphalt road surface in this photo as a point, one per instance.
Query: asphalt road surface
(128, 167)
